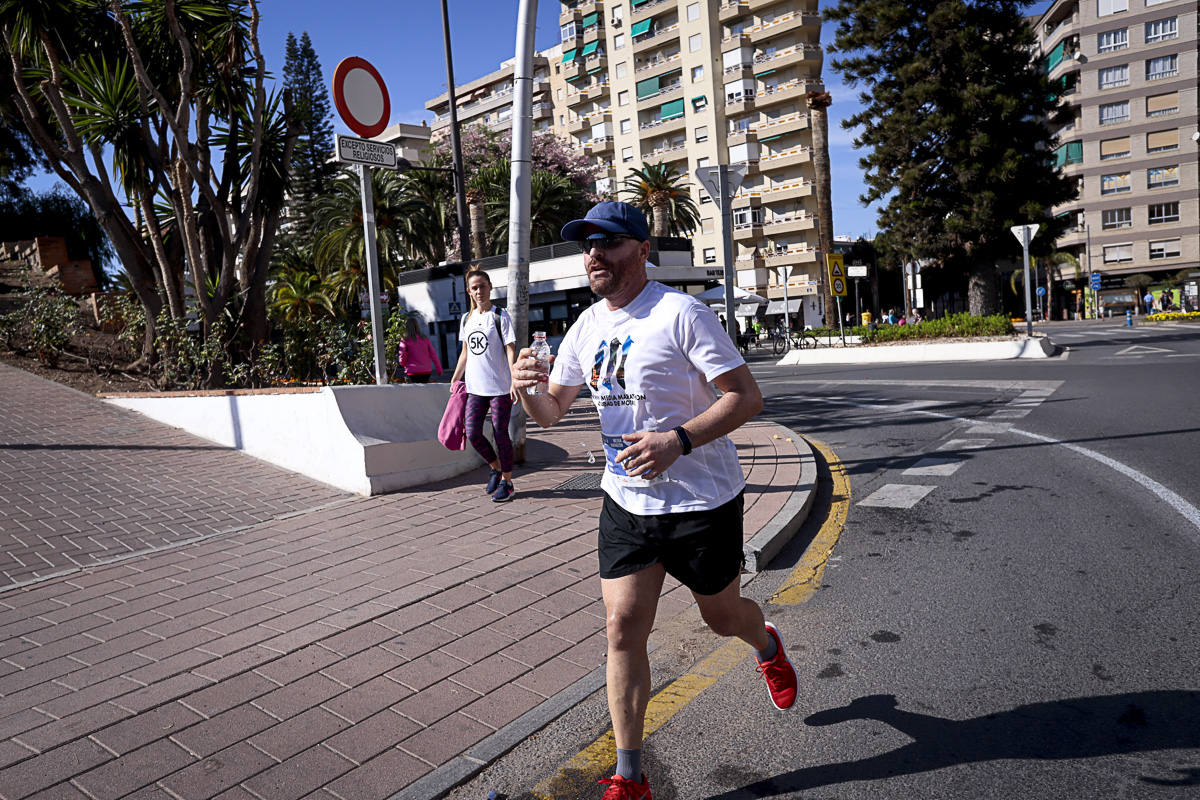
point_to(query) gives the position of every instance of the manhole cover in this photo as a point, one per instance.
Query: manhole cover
(581, 483)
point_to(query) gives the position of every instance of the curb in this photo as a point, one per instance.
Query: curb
(767, 543)
(761, 548)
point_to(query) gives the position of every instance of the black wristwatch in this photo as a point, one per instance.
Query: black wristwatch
(683, 439)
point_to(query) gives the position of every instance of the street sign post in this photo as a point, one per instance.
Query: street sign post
(722, 183)
(1094, 283)
(1025, 234)
(837, 287)
(361, 98)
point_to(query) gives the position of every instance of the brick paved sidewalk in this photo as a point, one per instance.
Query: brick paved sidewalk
(345, 652)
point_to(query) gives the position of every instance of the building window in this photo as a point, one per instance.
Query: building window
(623, 98)
(621, 70)
(626, 155)
(619, 41)
(710, 255)
(1115, 218)
(1161, 177)
(701, 162)
(1161, 141)
(617, 15)
(1161, 213)
(695, 42)
(700, 103)
(1158, 105)
(702, 133)
(1116, 183)
(1112, 113)
(706, 225)
(1162, 67)
(569, 31)
(1164, 248)
(1106, 7)
(1109, 41)
(697, 74)
(559, 93)
(693, 12)
(1114, 148)
(626, 125)
(1155, 2)
(1112, 77)
(1162, 29)
(1118, 253)
(747, 216)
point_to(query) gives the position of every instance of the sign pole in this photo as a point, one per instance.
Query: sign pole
(721, 182)
(372, 257)
(1025, 234)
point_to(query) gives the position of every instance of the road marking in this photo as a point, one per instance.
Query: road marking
(1141, 349)
(1182, 355)
(597, 759)
(939, 466)
(965, 444)
(985, 427)
(897, 495)
(1009, 413)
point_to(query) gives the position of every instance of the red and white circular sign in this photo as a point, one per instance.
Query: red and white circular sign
(361, 97)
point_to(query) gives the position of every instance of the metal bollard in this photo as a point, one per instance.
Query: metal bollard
(1129, 318)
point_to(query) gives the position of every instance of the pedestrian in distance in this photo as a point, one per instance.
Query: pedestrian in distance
(1149, 301)
(673, 489)
(1165, 300)
(416, 354)
(485, 361)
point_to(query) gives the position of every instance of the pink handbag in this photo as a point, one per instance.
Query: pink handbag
(452, 432)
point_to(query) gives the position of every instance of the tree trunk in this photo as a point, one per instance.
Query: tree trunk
(662, 219)
(819, 125)
(981, 290)
(475, 205)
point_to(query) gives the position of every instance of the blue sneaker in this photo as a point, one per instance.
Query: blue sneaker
(504, 493)
(494, 481)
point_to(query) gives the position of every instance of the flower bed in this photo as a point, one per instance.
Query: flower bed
(1174, 316)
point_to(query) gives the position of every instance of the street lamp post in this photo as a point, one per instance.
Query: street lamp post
(460, 192)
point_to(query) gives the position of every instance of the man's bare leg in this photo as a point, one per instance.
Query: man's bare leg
(630, 603)
(727, 613)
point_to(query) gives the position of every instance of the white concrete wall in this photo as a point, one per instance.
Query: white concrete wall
(363, 439)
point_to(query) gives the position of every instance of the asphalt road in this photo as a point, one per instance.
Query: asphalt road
(1010, 607)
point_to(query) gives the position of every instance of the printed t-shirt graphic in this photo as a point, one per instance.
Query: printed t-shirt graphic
(487, 372)
(648, 366)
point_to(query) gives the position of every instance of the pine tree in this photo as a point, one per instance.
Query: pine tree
(954, 126)
(311, 169)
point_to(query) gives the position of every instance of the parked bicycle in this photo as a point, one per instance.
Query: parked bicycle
(781, 342)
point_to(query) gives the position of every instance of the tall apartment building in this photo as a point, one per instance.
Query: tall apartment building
(691, 83)
(1127, 69)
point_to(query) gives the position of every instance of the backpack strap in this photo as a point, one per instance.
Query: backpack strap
(499, 332)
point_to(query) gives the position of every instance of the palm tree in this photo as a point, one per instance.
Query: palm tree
(818, 102)
(554, 200)
(297, 295)
(661, 192)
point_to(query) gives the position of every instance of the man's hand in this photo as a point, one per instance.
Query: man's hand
(649, 453)
(527, 372)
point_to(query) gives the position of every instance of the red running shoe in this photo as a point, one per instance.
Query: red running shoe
(624, 789)
(778, 673)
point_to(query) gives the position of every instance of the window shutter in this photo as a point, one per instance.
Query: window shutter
(1161, 140)
(1162, 102)
(1113, 147)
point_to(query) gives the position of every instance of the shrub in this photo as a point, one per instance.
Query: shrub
(1174, 316)
(953, 326)
(44, 323)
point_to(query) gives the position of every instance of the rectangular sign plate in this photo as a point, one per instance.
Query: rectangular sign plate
(365, 151)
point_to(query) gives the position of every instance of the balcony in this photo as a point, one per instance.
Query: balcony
(595, 61)
(662, 127)
(731, 10)
(598, 116)
(575, 98)
(592, 34)
(744, 71)
(576, 125)
(734, 41)
(792, 190)
(742, 135)
(663, 155)
(650, 9)
(594, 91)
(568, 15)
(789, 56)
(786, 23)
(542, 110)
(753, 260)
(664, 93)
(788, 158)
(573, 69)
(782, 125)
(657, 63)
(792, 256)
(747, 231)
(601, 144)
(746, 198)
(591, 7)
(739, 104)
(789, 224)
(792, 90)
(655, 38)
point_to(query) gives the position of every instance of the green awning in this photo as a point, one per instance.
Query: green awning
(763, 74)
(672, 109)
(1056, 55)
(641, 27)
(772, 138)
(646, 88)
(590, 48)
(569, 55)
(591, 19)
(595, 69)
(699, 102)
(574, 77)
(637, 3)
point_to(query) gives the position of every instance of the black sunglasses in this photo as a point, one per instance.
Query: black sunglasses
(602, 243)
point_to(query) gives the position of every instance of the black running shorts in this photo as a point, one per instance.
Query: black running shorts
(700, 549)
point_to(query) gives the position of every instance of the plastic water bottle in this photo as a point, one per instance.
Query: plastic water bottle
(541, 351)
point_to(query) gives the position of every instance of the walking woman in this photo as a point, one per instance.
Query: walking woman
(488, 353)
(417, 355)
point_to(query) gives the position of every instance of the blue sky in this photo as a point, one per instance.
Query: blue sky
(404, 42)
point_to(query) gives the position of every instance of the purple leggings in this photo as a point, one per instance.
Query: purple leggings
(501, 408)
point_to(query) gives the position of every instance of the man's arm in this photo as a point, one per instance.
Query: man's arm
(550, 406)
(650, 454)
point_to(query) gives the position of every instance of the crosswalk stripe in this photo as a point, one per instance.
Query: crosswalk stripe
(938, 466)
(965, 444)
(897, 495)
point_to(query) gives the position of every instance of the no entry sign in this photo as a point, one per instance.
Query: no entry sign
(361, 97)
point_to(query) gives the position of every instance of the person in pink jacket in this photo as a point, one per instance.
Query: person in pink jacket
(417, 355)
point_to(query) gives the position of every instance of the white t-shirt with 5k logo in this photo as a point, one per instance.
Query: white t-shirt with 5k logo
(487, 371)
(650, 366)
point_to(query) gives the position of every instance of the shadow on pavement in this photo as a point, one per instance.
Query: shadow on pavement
(1073, 728)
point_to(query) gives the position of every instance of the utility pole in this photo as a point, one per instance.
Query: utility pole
(460, 189)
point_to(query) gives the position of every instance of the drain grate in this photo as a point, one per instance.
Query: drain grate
(581, 483)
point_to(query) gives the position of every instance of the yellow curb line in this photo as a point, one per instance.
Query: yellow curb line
(595, 761)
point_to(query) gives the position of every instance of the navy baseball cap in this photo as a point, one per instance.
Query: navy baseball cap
(608, 217)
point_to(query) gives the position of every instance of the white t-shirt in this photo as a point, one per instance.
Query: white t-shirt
(649, 366)
(487, 371)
